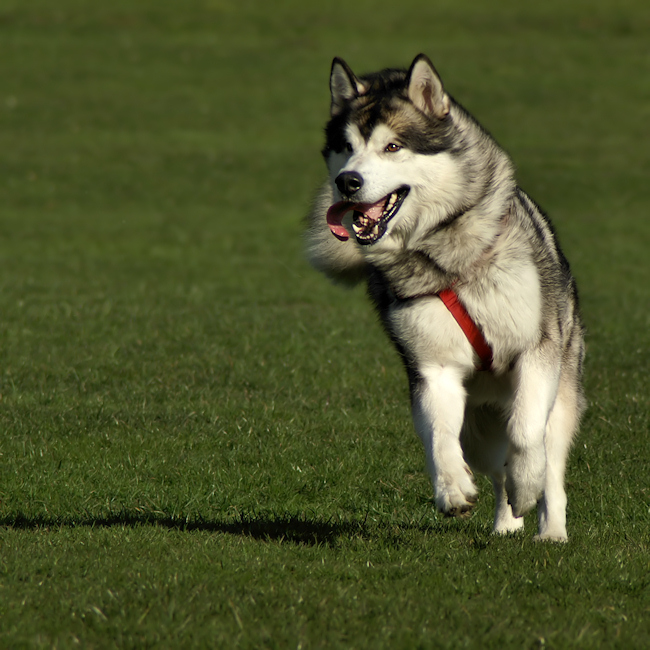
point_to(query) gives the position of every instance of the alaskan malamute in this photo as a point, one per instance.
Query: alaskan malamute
(469, 282)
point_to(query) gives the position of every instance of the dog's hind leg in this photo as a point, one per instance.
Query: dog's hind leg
(537, 375)
(504, 521)
(484, 442)
(562, 424)
(438, 399)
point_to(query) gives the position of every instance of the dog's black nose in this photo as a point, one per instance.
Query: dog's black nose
(349, 183)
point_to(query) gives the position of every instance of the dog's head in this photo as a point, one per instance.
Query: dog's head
(388, 148)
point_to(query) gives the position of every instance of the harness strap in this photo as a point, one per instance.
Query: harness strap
(469, 327)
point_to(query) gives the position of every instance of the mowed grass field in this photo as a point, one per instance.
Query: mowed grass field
(202, 442)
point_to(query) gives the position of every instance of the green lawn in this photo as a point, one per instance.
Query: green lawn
(202, 442)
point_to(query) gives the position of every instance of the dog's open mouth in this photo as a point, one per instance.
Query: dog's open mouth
(370, 220)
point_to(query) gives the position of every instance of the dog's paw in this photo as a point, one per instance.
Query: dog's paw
(462, 511)
(456, 498)
(551, 530)
(506, 523)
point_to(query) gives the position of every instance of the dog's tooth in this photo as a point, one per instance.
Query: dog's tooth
(392, 199)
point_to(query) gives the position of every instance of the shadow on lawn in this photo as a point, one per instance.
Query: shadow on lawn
(289, 528)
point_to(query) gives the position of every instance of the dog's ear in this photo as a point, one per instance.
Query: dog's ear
(344, 86)
(425, 89)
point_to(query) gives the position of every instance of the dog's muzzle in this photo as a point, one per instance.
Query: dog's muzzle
(370, 220)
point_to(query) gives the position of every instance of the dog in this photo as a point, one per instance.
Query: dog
(469, 282)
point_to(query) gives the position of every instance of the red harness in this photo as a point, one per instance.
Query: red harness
(469, 327)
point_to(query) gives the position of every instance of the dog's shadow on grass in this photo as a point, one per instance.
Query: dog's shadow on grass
(287, 528)
(302, 529)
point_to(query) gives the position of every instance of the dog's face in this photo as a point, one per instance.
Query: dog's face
(388, 150)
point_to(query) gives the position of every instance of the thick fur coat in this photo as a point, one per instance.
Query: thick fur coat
(433, 205)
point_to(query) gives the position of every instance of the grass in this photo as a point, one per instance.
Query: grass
(202, 443)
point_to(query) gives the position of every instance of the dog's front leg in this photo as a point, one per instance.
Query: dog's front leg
(438, 400)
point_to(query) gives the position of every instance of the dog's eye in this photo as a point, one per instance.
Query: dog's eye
(392, 148)
(348, 147)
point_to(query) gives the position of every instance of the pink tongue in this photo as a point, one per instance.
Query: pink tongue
(337, 211)
(335, 215)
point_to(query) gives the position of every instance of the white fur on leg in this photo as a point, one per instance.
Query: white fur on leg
(504, 521)
(438, 408)
(559, 432)
(526, 458)
(553, 528)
